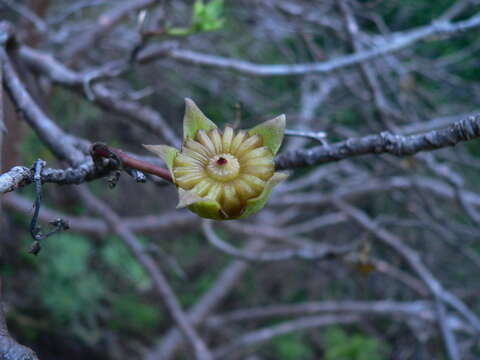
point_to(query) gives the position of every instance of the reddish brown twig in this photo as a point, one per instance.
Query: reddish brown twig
(99, 151)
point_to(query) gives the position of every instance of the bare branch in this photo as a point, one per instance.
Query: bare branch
(16, 177)
(424, 310)
(374, 185)
(315, 135)
(313, 252)
(412, 258)
(147, 262)
(24, 11)
(54, 137)
(385, 142)
(95, 226)
(382, 143)
(447, 333)
(171, 342)
(267, 333)
(9, 348)
(104, 24)
(106, 98)
(395, 42)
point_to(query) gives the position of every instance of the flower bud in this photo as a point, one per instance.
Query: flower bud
(223, 175)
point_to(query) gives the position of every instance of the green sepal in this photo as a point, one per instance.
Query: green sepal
(271, 132)
(166, 153)
(206, 208)
(195, 120)
(257, 203)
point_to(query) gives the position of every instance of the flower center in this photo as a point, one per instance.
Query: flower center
(223, 167)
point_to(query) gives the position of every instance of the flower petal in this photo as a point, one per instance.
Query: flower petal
(195, 120)
(271, 132)
(203, 138)
(166, 153)
(227, 139)
(257, 203)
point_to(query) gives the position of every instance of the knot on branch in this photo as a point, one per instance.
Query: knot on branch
(391, 143)
(467, 129)
(7, 36)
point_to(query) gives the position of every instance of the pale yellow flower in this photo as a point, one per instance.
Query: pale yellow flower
(223, 175)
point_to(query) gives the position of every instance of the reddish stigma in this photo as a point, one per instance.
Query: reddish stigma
(221, 161)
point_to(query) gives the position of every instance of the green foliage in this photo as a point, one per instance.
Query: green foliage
(205, 17)
(291, 347)
(121, 262)
(31, 149)
(68, 112)
(68, 289)
(341, 346)
(131, 315)
(72, 291)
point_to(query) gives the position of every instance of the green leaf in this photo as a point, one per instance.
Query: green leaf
(198, 9)
(133, 315)
(66, 286)
(291, 347)
(179, 31)
(207, 17)
(195, 120)
(121, 263)
(257, 203)
(166, 153)
(214, 9)
(271, 132)
(340, 345)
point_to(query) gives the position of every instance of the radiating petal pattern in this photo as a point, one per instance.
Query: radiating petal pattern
(224, 175)
(225, 167)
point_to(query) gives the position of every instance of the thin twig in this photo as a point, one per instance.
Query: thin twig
(312, 252)
(103, 151)
(395, 42)
(315, 135)
(449, 340)
(36, 231)
(412, 258)
(156, 274)
(264, 334)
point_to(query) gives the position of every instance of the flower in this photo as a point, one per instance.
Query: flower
(223, 175)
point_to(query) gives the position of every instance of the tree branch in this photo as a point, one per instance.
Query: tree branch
(147, 262)
(395, 42)
(424, 310)
(312, 252)
(9, 348)
(412, 258)
(265, 334)
(16, 177)
(104, 24)
(383, 143)
(54, 137)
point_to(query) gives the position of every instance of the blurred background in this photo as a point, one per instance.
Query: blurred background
(401, 279)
